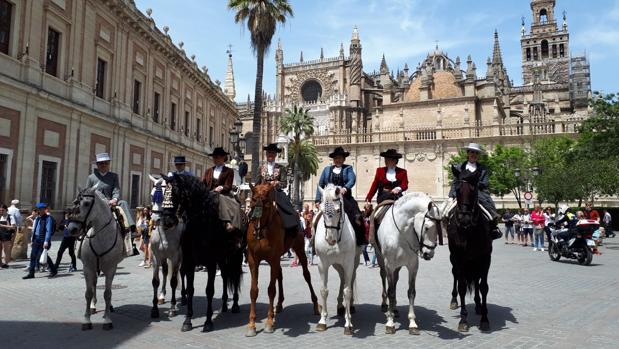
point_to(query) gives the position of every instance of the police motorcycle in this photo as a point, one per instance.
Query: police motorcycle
(574, 241)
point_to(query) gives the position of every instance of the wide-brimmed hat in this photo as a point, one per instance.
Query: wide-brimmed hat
(179, 160)
(15, 202)
(391, 154)
(474, 147)
(339, 151)
(219, 151)
(272, 147)
(41, 205)
(101, 157)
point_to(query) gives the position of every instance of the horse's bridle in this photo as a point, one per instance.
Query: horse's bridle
(85, 227)
(474, 211)
(256, 219)
(338, 227)
(427, 215)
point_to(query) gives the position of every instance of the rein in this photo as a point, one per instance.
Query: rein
(419, 238)
(256, 219)
(85, 227)
(338, 227)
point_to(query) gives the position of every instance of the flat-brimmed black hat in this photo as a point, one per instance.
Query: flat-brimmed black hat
(339, 151)
(219, 151)
(272, 147)
(391, 154)
(179, 160)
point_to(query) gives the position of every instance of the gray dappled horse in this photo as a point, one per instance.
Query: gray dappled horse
(101, 248)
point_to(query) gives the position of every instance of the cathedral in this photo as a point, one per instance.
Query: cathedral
(430, 111)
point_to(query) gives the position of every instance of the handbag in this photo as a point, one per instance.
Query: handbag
(43, 259)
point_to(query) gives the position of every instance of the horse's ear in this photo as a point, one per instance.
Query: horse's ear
(337, 191)
(94, 187)
(152, 179)
(252, 187)
(455, 171)
(80, 189)
(165, 178)
(322, 191)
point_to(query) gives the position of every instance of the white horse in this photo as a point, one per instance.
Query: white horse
(336, 246)
(101, 249)
(408, 229)
(165, 242)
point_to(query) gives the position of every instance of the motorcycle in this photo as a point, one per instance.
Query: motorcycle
(578, 245)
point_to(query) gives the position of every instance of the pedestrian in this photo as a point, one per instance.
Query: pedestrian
(68, 242)
(509, 226)
(527, 228)
(607, 223)
(41, 240)
(308, 219)
(538, 220)
(517, 218)
(7, 231)
(28, 232)
(591, 213)
(549, 220)
(143, 228)
(367, 212)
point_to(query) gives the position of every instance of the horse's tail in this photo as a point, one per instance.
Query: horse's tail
(233, 269)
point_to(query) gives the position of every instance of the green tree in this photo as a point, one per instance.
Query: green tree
(556, 181)
(261, 18)
(599, 134)
(299, 124)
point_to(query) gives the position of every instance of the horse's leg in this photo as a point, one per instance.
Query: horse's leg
(275, 273)
(298, 249)
(341, 309)
(412, 276)
(477, 298)
(210, 292)
(463, 326)
(390, 325)
(164, 271)
(253, 294)
(183, 289)
(189, 273)
(107, 296)
(348, 277)
(173, 285)
(396, 278)
(323, 269)
(484, 324)
(383, 277)
(280, 297)
(154, 311)
(235, 297)
(453, 305)
(91, 281)
(224, 293)
(352, 283)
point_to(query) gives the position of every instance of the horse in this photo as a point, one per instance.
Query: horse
(204, 242)
(470, 247)
(267, 240)
(410, 228)
(336, 246)
(101, 248)
(165, 244)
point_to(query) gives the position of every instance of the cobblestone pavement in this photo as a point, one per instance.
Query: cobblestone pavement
(533, 303)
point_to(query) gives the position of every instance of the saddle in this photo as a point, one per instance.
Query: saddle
(377, 217)
(451, 205)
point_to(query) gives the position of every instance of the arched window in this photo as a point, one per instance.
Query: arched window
(543, 16)
(544, 49)
(311, 91)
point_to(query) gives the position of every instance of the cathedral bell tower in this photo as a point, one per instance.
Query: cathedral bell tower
(545, 49)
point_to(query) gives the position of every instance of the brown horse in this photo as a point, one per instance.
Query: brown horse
(267, 240)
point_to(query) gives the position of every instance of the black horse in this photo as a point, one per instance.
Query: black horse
(205, 242)
(470, 248)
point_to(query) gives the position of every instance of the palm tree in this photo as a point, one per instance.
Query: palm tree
(300, 125)
(261, 17)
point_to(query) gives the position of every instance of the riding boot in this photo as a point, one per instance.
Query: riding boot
(495, 232)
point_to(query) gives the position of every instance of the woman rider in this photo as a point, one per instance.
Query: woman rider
(389, 181)
(343, 176)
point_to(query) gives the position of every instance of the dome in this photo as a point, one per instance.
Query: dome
(445, 86)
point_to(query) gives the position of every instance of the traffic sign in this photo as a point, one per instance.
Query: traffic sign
(528, 196)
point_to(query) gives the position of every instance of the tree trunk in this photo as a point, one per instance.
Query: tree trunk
(296, 174)
(256, 127)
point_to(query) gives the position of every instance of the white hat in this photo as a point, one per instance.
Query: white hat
(474, 147)
(15, 202)
(103, 157)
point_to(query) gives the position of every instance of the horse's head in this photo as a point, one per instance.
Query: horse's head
(83, 210)
(332, 208)
(430, 226)
(466, 196)
(262, 201)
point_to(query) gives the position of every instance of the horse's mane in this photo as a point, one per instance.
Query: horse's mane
(406, 200)
(329, 193)
(192, 197)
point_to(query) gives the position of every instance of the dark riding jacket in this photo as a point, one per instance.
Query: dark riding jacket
(483, 184)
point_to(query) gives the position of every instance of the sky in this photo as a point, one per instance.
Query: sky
(403, 30)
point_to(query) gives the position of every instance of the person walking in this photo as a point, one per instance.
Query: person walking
(517, 218)
(607, 223)
(549, 220)
(41, 240)
(527, 228)
(308, 219)
(538, 220)
(68, 242)
(7, 231)
(143, 227)
(509, 225)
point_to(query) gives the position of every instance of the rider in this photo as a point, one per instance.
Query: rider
(390, 181)
(343, 176)
(180, 164)
(569, 218)
(219, 179)
(471, 165)
(108, 184)
(275, 174)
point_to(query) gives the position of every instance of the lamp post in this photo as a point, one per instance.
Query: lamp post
(525, 177)
(283, 142)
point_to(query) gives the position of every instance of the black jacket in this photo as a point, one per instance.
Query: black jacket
(483, 183)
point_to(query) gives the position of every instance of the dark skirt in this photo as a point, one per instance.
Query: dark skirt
(386, 195)
(290, 217)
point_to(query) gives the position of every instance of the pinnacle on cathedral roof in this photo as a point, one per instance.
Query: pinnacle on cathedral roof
(383, 66)
(497, 57)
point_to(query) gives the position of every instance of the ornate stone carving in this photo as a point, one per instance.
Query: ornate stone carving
(324, 77)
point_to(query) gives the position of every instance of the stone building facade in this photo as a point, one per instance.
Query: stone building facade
(80, 77)
(429, 112)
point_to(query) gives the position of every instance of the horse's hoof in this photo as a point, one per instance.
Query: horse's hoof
(154, 313)
(341, 311)
(224, 308)
(321, 327)
(236, 309)
(161, 301)
(463, 327)
(384, 308)
(413, 331)
(251, 332)
(186, 327)
(453, 305)
(484, 326)
(478, 309)
(389, 329)
(108, 326)
(86, 327)
(353, 309)
(348, 331)
(268, 329)
(93, 311)
(208, 327)
(171, 313)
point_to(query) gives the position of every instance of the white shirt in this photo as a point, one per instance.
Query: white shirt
(607, 218)
(270, 167)
(471, 166)
(337, 170)
(390, 174)
(15, 214)
(217, 171)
